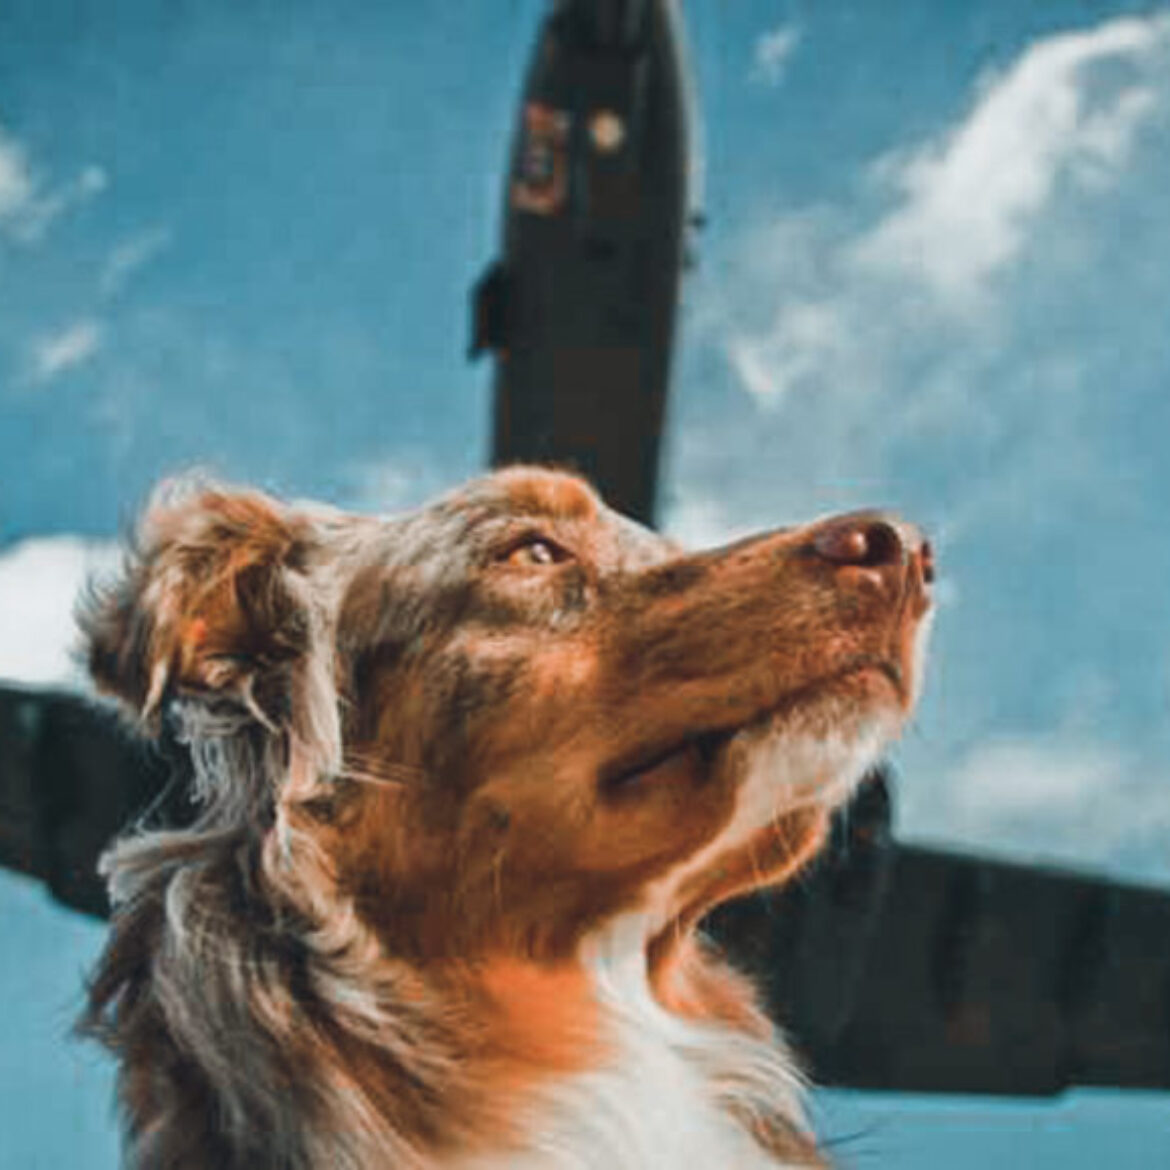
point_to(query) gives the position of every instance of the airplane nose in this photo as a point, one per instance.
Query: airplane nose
(872, 540)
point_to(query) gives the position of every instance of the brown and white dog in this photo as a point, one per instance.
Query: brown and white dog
(469, 779)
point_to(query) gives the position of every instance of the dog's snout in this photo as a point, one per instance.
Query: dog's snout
(866, 540)
(876, 541)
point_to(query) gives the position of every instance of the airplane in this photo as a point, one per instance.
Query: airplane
(892, 966)
(596, 232)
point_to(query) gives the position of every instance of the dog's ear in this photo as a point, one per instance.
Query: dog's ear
(215, 601)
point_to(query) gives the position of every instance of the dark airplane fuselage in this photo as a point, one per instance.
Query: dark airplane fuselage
(580, 311)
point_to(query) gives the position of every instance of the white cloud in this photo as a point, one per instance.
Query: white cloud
(17, 188)
(31, 226)
(27, 207)
(1005, 780)
(807, 337)
(56, 353)
(970, 198)
(132, 255)
(394, 485)
(855, 296)
(40, 581)
(699, 522)
(772, 52)
(1057, 796)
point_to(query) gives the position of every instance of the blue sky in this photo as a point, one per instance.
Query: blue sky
(935, 277)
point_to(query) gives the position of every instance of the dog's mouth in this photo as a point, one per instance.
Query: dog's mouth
(871, 681)
(697, 752)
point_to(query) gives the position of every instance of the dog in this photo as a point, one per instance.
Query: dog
(468, 780)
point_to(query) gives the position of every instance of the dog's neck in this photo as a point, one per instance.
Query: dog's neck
(670, 1088)
(701, 1066)
(509, 1063)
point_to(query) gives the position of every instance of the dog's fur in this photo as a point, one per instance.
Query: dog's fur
(468, 780)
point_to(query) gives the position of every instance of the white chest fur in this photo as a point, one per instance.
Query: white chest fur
(662, 1100)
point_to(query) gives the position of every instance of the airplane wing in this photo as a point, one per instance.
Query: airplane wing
(921, 970)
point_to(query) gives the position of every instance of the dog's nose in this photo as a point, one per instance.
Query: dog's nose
(872, 540)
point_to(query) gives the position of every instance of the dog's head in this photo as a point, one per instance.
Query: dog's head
(500, 721)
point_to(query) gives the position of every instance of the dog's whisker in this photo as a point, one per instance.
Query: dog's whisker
(498, 882)
(754, 860)
(390, 775)
(376, 781)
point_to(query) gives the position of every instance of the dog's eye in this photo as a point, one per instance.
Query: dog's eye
(535, 550)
